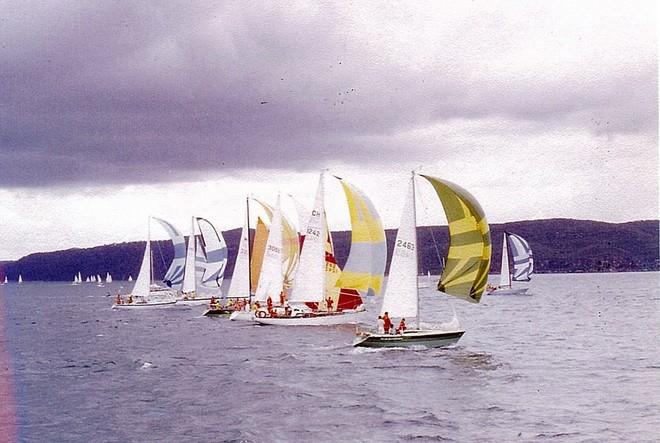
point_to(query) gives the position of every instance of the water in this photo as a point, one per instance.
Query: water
(578, 360)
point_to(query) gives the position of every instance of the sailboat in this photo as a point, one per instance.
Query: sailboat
(322, 298)
(20, 279)
(464, 276)
(130, 278)
(523, 266)
(99, 281)
(5, 282)
(241, 279)
(108, 277)
(145, 293)
(206, 260)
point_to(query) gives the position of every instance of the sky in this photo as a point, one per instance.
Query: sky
(114, 111)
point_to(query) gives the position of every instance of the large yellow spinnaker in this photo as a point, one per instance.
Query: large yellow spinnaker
(365, 266)
(468, 258)
(258, 250)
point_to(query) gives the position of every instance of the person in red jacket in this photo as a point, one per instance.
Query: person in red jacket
(387, 323)
(402, 326)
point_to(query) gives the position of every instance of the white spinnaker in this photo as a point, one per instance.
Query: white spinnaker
(400, 298)
(271, 278)
(143, 280)
(505, 275)
(189, 283)
(240, 281)
(309, 283)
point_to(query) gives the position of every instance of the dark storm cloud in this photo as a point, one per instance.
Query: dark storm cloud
(123, 92)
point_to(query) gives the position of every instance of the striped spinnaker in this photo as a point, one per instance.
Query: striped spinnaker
(174, 274)
(468, 258)
(523, 260)
(365, 266)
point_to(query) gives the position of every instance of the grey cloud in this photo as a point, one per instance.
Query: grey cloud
(122, 92)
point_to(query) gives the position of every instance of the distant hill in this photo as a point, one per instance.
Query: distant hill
(559, 245)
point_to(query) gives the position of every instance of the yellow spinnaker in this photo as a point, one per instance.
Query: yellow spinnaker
(365, 266)
(468, 259)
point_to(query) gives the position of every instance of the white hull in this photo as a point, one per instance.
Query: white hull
(194, 302)
(428, 338)
(340, 318)
(242, 316)
(509, 291)
(143, 305)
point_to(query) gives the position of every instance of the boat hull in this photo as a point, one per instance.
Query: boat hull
(427, 338)
(143, 305)
(509, 291)
(217, 312)
(339, 318)
(194, 302)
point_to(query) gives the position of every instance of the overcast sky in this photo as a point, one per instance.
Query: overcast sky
(111, 111)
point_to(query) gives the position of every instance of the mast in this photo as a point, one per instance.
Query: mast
(151, 257)
(414, 207)
(247, 210)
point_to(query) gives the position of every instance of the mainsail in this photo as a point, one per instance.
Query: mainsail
(143, 280)
(271, 279)
(468, 258)
(505, 274)
(523, 261)
(240, 279)
(365, 266)
(400, 298)
(174, 275)
(310, 279)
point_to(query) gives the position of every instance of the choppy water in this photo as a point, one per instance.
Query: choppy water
(578, 360)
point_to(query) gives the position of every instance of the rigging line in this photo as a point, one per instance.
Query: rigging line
(435, 243)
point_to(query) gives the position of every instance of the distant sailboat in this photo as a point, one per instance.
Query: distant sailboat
(99, 281)
(20, 279)
(523, 266)
(145, 293)
(5, 282)
(464, 276)
(130, 278)
(108, 277)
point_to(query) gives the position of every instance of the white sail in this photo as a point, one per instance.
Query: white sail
(20, 278)
(130, 278)
(143, 281)
(240, 280)
(189, 283)
(99, 279)
(521, 254)
(6, 279)
(79, 278)
(505, 274)
(310, 280)
(400, 298)
(271, 279)
(108, 277)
